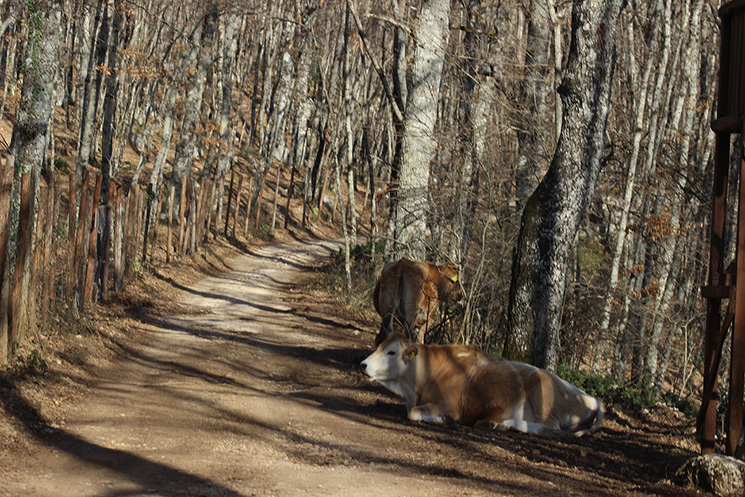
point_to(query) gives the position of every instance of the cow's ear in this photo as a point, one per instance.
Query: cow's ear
(410, 353)
(455, 278)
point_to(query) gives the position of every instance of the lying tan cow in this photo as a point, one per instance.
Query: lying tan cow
(408, 293)
(457, 383)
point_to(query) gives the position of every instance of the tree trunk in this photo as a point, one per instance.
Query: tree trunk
(112, 87)
(349, 141)
(671, 246)
(418, 145)
(88, 107)
(227, 132)
(199, 59)
(29, 142)
(304, 107)
(602, 344)
(553, 213)
(347, 246)
(473, 119)
(272, 136)
(532, 132)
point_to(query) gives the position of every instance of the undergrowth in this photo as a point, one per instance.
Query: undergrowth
(614, 391)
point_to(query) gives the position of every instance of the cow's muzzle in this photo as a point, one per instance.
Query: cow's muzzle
(363, 369)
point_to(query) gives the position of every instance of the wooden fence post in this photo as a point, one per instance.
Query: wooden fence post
(118, 236)
(6, 184)
(230, 198)
(237, 204)
(169, 241)
(193, 217)
(75, 252)
(91, 256)
(148, 214)
(181, 213)
(50, 222)
(19, 290)
(248, 205)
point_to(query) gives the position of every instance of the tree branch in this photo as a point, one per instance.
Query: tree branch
(387, 87)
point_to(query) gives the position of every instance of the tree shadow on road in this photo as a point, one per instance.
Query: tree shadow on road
(151, 476)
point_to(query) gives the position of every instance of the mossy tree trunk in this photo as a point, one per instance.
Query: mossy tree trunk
(30, 138)
(552, 215)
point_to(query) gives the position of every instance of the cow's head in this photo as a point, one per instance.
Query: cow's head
(450, 288)
(390, 360)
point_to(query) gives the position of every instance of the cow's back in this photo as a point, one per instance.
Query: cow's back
(468, 382)
(398, 291)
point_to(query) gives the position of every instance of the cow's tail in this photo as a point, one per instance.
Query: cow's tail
(593, 422)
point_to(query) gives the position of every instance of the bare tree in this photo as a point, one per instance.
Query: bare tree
(418, 143)
(552, 215)
(199, 59)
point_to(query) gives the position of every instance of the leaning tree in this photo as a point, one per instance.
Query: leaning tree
(552, 215)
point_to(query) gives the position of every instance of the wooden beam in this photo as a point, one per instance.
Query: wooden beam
(737, 363)
(714, 338)
(717, 291)
(727, 124)
(731, 7)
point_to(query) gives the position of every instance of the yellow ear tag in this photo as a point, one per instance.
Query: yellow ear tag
(411, 355)
(455, 279)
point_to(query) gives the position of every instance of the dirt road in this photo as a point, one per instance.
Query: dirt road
(251, 390)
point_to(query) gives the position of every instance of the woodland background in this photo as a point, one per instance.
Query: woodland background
(149, 93)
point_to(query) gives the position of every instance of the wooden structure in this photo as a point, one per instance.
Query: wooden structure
(723, 282)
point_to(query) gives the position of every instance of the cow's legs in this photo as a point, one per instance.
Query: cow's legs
(519, 417)
(386, 330)
(429, 413)
(383, 333)
(518, 425)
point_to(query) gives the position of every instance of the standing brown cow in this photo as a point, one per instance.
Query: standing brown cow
(408, 293)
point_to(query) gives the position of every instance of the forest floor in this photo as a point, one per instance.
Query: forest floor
(234, 375)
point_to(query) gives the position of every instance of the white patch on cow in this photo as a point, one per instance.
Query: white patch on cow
(482, 361)
(418, 415)
(591, 402)
(518, 413)
(516, 424)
